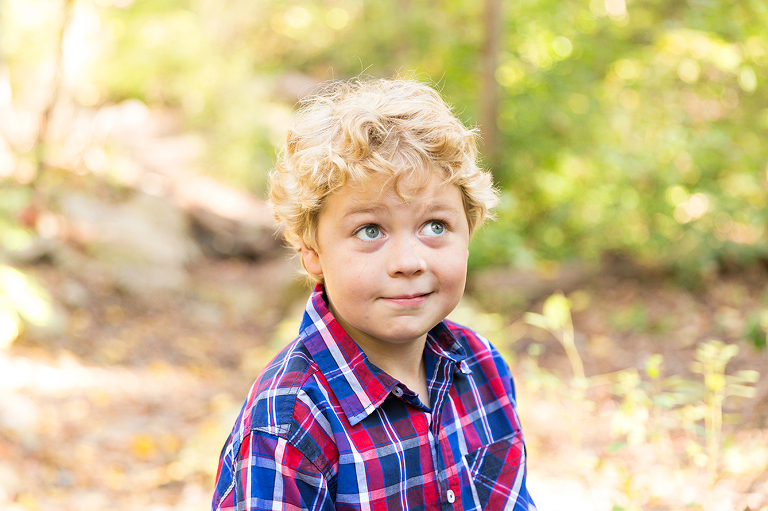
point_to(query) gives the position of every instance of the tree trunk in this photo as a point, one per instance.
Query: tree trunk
(45, 115)
(489, 93)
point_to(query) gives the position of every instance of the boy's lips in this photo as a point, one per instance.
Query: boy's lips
(409, 299)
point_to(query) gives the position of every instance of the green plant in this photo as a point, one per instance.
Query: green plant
(633, 414)
(650, 405)
(556, 319)
(757, 329)
(711, 358)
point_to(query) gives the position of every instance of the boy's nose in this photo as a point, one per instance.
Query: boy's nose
(405, 258)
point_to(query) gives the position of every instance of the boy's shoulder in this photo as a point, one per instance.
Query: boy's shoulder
(270, 404)
(282, 405)
(474, 343)
(292, 374)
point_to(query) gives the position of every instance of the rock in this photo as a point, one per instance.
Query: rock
(228, 222)
(225, 221)
(141, 245)
(505, 287)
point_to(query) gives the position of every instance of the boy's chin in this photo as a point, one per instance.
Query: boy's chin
(401, 337)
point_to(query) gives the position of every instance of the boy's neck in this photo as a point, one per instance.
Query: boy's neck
(402, 361)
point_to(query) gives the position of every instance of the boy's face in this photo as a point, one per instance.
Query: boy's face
(392, 270)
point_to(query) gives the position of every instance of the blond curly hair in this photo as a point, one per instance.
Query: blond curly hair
(354, 130)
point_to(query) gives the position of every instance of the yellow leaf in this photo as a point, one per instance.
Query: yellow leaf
(143, 446)
(9, 327)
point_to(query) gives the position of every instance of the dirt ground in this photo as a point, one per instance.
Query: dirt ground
(128, 408)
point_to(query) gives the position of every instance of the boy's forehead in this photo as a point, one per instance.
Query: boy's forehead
(382, 192)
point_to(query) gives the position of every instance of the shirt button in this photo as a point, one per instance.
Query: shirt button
(397, 391)
(451, 497)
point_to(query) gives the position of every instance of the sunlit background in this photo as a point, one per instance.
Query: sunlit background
(142, 287)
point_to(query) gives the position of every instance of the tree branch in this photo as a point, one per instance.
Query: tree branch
(45, 115)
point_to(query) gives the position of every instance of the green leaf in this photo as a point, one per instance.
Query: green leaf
(558, 309)
(747, 375)
(740, 391)
(653, 366)
(541, 321)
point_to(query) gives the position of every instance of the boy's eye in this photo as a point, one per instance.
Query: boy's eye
(369, 232)
(434, 228)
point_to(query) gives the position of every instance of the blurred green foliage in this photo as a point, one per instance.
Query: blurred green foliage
(650, 404)
(624, 125)
(636, 130)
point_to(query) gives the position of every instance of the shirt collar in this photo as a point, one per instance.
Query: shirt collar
(359, 386)
(443, 343)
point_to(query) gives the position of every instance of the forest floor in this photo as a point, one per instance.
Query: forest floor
(129, 407)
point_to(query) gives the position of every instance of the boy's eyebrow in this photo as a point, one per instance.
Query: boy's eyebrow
(363, 209)
(438, 207)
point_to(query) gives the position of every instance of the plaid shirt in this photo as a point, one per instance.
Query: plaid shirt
(323, 428)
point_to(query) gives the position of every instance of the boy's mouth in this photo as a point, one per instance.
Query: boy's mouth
(409, 299)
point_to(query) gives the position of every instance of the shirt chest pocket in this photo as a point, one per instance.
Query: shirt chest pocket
(496, 473)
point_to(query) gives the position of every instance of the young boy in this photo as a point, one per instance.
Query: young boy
(379, 403)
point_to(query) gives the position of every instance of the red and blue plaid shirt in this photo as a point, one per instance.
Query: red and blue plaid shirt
(323, 428)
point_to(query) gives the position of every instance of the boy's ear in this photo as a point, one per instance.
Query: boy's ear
(311, 260)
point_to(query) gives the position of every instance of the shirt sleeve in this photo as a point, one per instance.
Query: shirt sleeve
(268, 473)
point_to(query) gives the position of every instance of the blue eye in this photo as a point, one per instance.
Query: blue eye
(369, 232)
(434, 228)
